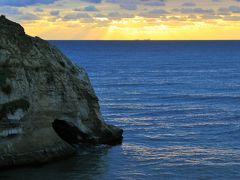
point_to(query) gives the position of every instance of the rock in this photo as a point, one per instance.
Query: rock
(47, 104)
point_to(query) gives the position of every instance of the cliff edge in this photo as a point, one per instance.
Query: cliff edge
(47, 104)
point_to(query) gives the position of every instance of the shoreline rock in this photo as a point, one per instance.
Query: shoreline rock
(39, 85)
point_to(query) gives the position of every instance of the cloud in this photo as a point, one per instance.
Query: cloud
(134, 4)
(92, 1)
(130, 6)
(17, 14)
(125, 4)
(154, 13)
(90, 8)
(229, 10)
(194, 11)
(113, 1)
(117, 15)
(75, 16)
(189, 4)
(223, 11)
(55, 13)
(39, 10)
(160, 3)
(20, 3)
(210, 16)
(234, 9)
(232, 18)
(28, 17)
(10, 10)
(92, 11)
(99, 15)
(77, 9)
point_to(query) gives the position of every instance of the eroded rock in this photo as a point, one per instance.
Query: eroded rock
(39, 85)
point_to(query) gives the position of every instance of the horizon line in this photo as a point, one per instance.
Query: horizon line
(141, 40)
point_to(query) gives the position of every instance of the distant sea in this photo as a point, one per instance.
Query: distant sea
(177, 101)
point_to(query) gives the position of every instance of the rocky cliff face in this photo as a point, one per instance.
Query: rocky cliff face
(47, 103)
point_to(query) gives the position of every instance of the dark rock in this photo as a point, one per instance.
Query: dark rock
(39, 87)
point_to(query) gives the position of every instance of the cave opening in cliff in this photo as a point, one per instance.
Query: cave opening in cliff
(68, 132)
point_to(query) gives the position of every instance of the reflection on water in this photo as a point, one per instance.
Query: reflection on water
(86, 165)
(134, 161)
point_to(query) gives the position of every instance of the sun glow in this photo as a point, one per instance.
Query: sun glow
(136, 28)
(127, 20)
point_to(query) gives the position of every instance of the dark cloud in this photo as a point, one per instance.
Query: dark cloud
(92, 1)
(234, 9)
(232, 18)
(77, 9)
(154, 13)
(113, 1)
(125, 4)
(99, 15)
(134, 4)
(55, 13)
(194, 11)
(28, 17)
(130, 6)
(39, 10)
(157, 3)
(20, 3)
(75, 16)
(223, 10)
(10, 11)
(189, 4)
(210, 16)
(229, 10)
(90, 8)
(117, 15)
(17, 14)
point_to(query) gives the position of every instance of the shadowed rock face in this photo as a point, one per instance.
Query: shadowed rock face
(47, 103)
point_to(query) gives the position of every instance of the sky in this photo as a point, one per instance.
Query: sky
(126, 19)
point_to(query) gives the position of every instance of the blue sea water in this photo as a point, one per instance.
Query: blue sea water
(177, 101)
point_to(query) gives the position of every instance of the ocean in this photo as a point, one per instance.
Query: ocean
(177, 101)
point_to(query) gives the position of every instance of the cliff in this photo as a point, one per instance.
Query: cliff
(47, 104)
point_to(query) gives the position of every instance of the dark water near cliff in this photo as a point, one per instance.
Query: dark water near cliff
(178, 102)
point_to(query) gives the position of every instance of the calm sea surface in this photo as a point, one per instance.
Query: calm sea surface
(178, 103)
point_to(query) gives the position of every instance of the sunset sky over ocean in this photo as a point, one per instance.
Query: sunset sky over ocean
(127, 19)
